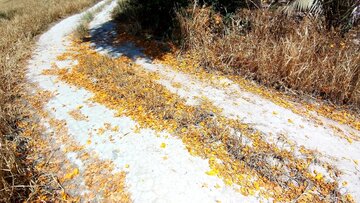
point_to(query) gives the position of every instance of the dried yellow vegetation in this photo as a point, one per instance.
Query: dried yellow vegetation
(257, 166)
(20, 23)
(186, 62)
(283, 53)
(77, 115)
(67, 178)
(187, 65)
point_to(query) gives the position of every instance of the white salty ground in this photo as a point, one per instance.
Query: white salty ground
(180, 178)
(150, 178)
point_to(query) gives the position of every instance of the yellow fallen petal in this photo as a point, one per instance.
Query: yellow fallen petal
(127, 165)
(163, 145)
(212, 172)
(244, 191)
(64, 196)
(137, 129)
(115, 129)
(319, 176)
(256, 186)
(349, 198)
(72, 174)
(349, 140)
(228, 182)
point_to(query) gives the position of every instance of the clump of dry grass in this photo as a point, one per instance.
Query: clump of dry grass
(82, 30)
(20, 23)
(287, 53)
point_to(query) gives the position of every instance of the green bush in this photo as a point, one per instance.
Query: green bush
(230, 6)
(156, 16)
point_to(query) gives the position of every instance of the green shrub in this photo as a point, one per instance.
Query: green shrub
(230, 6)
(156, 16)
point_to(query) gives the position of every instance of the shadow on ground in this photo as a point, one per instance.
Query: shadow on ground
(104, 39)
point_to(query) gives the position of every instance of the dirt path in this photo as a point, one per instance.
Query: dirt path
(120, 157)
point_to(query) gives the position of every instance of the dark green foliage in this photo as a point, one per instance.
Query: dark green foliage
(7, 15)
(156, 16)
(338, 13)
(229, 6)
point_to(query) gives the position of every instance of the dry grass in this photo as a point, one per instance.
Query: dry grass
(20, 23)
(133, 92)
(82, 30)
(296, 54)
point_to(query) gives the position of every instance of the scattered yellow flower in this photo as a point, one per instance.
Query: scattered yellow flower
(319, 176)
(256, 185)
(194, 144)
(251, 192)
(116, 129)
(349, 198)
(244, 191)
(349, 140)
(64, 196)
(212, 172)
(228, 182)
(72, 174)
